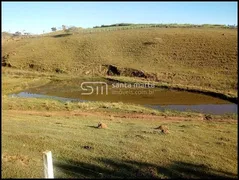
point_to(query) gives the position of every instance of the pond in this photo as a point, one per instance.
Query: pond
(143, 94)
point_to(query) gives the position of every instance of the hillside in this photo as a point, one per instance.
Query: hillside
(6, 34)
(201, 57)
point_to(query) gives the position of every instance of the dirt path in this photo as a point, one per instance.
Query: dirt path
(97, 114)
(108, 115)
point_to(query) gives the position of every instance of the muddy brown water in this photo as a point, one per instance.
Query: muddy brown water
(149, 96)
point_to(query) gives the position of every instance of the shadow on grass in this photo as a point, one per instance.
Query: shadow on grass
(107, 168)
(93, 127)
(149, 43)
(61, 35)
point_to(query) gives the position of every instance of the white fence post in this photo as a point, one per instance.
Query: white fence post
(48, 164)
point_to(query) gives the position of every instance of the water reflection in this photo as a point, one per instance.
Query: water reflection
(202, 108)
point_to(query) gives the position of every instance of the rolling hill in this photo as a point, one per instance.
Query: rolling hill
(205, 57)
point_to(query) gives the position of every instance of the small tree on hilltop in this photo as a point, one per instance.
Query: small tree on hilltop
(17, 33)
(53, 29)
(64, 27)
(67, 30)
(72, 28)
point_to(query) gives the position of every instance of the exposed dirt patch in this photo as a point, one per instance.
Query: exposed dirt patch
(112, 70)
(23, 160)
(132, 72)
(111, 115)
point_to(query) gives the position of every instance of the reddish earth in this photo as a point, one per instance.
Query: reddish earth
(111, 115)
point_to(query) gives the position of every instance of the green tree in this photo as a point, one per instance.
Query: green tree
(53, 29)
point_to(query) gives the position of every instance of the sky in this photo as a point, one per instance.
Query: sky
(36, 17)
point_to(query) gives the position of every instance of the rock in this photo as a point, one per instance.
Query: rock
(111, 70)
(163, 128)
(87, 72)
(102, 125)
(208, 117)
(58, 70)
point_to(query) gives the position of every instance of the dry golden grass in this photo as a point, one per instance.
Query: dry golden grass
(129, 148)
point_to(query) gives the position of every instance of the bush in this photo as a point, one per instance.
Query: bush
(17, 33)
(53, 29)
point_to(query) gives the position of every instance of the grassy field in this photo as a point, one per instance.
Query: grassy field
(131, 147)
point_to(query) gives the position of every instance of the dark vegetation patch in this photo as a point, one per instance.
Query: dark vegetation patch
(58, 70)
(61, 35)
(31, 66)
(88, 147)
(36, 67)
(5, 61)
(208, 117)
